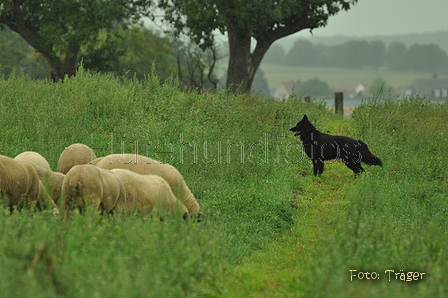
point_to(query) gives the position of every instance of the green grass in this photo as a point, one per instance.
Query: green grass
(271, 229)
(391, 218)
(276, 74)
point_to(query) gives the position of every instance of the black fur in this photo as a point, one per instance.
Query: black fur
(321, 146)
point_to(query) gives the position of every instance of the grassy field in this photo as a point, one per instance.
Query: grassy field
(276, 74)
(271, 229)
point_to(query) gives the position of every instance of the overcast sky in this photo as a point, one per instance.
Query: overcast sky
(387, 17)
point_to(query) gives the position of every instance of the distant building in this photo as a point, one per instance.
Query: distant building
(353, 90)
(434, 89)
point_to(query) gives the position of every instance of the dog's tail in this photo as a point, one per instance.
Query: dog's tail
(367, 157)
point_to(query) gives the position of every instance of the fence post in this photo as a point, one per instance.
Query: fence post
(339, 103)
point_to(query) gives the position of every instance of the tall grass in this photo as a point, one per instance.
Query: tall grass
(246, 171)
(234, 151)
(398, 216)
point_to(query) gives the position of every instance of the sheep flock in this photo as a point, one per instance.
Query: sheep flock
(118, 183)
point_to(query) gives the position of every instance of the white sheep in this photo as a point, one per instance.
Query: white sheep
(53, 183)
(149, 193)
(144, 165)
(51, 180)
(92, 187)
(75, 154)
(19, 183)
(95, 161)
(34, 159)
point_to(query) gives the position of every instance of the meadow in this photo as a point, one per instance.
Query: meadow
(271, 229)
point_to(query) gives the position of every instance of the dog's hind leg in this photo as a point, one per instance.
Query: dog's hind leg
(318, 166)
(355, 167)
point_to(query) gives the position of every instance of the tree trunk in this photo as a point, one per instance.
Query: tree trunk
(242, 63)
(60, 67)
(64, 67)
(240, 72)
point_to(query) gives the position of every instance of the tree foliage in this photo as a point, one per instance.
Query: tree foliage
(135, 51)
(314, 87)
(16, 55)
(59, 29)
(352, 54)
(426, 58)
(396, 56)
(263, 20)
(359, 54)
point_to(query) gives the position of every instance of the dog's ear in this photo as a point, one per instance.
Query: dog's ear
(305, 118)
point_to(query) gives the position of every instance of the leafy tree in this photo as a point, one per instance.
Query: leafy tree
(361, 53)
(425, 57)
(131, 51)
(265, 21)
(59, 29)
(17, 55)
(376, 54)
(396, 53)
(144, 49)
(303, 53)
(11, 56)
(314, 87)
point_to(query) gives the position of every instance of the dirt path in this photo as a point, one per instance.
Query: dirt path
(276, 270)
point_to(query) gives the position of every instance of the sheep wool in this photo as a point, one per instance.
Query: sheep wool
(148, 193)
(51, 180)
(144, 165)
(90, 186)
(95, 161)
(34, 159)
(75, 154)
(19, 183)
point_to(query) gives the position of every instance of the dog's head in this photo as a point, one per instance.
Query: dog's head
(301, 126)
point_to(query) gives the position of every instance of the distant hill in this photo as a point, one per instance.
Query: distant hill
(439, 38)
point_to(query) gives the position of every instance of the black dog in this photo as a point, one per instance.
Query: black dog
(321, 146)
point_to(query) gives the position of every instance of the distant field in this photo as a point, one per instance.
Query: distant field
(276, 74)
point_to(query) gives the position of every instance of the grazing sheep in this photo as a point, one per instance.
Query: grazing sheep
(144, 165)
(34, 159)
(51, 180)
(147, 193)
(53, 183)
(75, 154)
(19, 183)
(95, 161)
(91, 186)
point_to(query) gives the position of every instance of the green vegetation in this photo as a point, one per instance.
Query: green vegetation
(315, 87)
(270, 230)
(359, 54)
(276, 74)
(393, 218)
